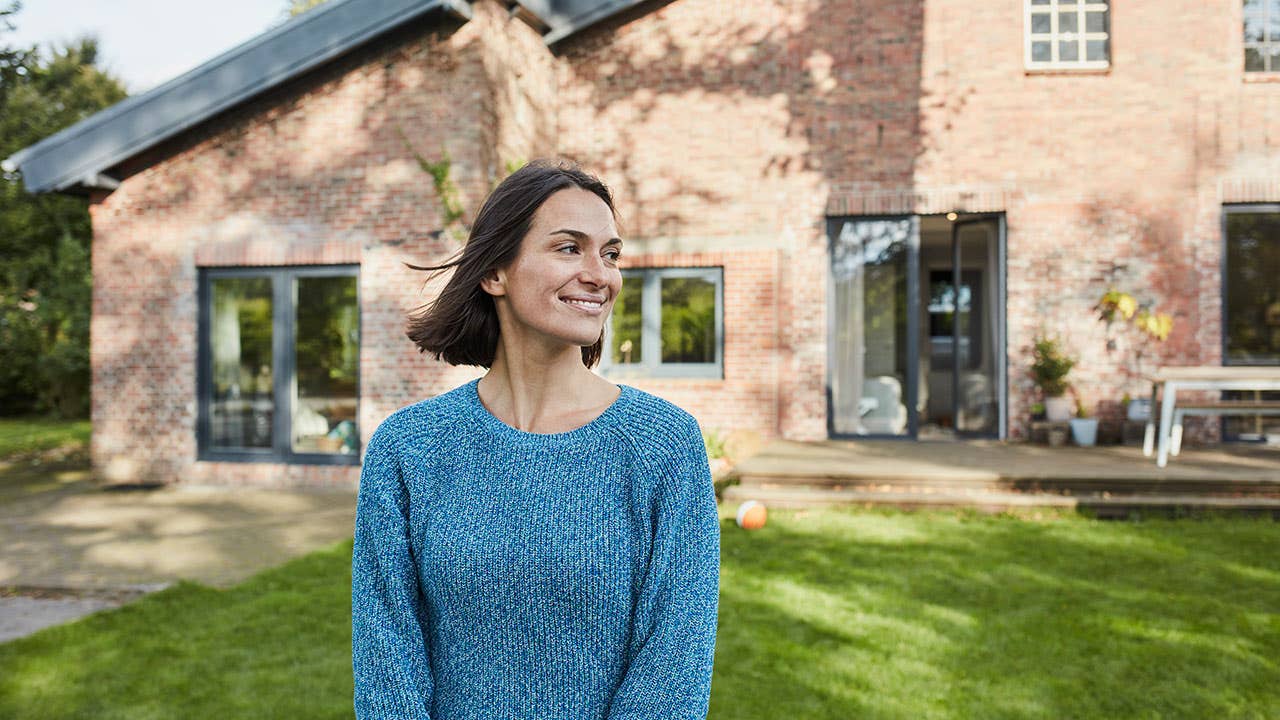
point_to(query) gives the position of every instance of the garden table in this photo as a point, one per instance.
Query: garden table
(1204, 377)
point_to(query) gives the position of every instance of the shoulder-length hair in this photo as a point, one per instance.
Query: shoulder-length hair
(461, 324)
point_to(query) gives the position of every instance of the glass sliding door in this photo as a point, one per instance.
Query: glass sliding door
(962, 343)
(974, 368)
(873, 321)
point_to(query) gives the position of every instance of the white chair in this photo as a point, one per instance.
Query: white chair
(888, 415)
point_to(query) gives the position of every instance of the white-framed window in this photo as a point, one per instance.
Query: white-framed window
(1262, 36)
(667, 322)
(1067, 34)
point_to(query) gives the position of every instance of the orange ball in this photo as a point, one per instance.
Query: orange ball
(752, 515)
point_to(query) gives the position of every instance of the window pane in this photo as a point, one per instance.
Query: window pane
(1253, 5)
(242, 408)
(1066, 2)
(1095, 50)
(688, 320)
(1040, 23)
(1068, 50)
(326, 356)
(1254, 28)
(1252, 295)
(1275, 25)
(1095, 22)
(1068, 21)
(1041, 52)
(1039, 2)
(1253, 60)
(1275, 60)
(625, 323)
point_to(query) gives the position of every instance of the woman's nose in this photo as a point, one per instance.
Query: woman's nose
(593, 270)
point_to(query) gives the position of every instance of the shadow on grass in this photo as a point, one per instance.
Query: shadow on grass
(860, 614)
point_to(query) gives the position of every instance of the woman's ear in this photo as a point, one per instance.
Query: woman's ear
(494, 282)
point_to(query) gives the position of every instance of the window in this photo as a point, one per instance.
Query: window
(667, 322)
(1067, 34)
(1262, 35)
(1251, 306)
(279, 353)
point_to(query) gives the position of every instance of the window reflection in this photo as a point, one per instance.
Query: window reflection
(242, 406)
(688, 320)
(626, 323)
(326, 354)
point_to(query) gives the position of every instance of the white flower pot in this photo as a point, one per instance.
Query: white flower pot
(1084, 431)
(1057, 409)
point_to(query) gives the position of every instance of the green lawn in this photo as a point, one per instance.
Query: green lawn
(23, 435)
(825, 614)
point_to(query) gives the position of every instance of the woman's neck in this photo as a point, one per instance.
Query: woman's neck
(538, 396)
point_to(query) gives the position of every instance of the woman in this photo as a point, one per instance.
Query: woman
(540, 542)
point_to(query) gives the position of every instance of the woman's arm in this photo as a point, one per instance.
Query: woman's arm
(674, 626)
(388, 650)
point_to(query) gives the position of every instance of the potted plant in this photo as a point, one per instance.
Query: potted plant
(1084, 429)
(1049, 370)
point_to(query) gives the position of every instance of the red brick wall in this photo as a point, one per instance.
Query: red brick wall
(760, 117)
(318, 172)
(731, 130)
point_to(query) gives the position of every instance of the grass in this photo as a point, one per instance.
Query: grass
(823, 614)
(26, 435)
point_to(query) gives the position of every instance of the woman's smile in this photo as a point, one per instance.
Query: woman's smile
(586, 306)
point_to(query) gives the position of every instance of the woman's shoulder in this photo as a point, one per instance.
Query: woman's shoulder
(658, 423)
(427, 419)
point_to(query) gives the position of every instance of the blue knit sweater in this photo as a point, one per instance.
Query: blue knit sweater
(500, 574)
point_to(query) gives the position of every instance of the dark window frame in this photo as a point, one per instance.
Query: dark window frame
(283, 361)
(1227, 210)
(651, 328)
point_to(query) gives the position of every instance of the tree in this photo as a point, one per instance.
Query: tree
(44, 239)
(297, 7)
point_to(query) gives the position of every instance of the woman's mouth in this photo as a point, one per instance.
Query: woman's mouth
(591, 308)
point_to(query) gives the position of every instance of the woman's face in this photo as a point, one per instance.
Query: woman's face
(565, 278)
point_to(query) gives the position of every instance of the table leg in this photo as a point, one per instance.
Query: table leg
(1166, 422)
(1149, 435)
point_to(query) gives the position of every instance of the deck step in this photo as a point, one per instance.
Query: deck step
(964, 482)
(1103, 505)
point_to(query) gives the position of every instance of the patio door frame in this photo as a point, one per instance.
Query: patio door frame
(914, 320)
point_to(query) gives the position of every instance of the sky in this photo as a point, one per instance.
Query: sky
(146, 42)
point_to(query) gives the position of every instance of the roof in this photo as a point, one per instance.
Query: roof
(80, 156)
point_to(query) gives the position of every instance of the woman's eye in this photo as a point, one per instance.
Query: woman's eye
(616, 256)
(568, 247)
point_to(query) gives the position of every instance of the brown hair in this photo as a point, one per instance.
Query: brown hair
(461, 324)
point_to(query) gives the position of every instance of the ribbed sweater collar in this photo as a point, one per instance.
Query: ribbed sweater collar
(508, 434)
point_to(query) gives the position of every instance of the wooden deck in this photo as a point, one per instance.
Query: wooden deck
(991, 475)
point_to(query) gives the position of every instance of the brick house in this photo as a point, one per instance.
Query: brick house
(808, 189)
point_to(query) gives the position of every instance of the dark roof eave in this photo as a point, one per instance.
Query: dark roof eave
(76, 157)
(565, 22)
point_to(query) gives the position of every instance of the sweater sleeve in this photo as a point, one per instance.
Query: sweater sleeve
(388, 648)
(673, 639)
